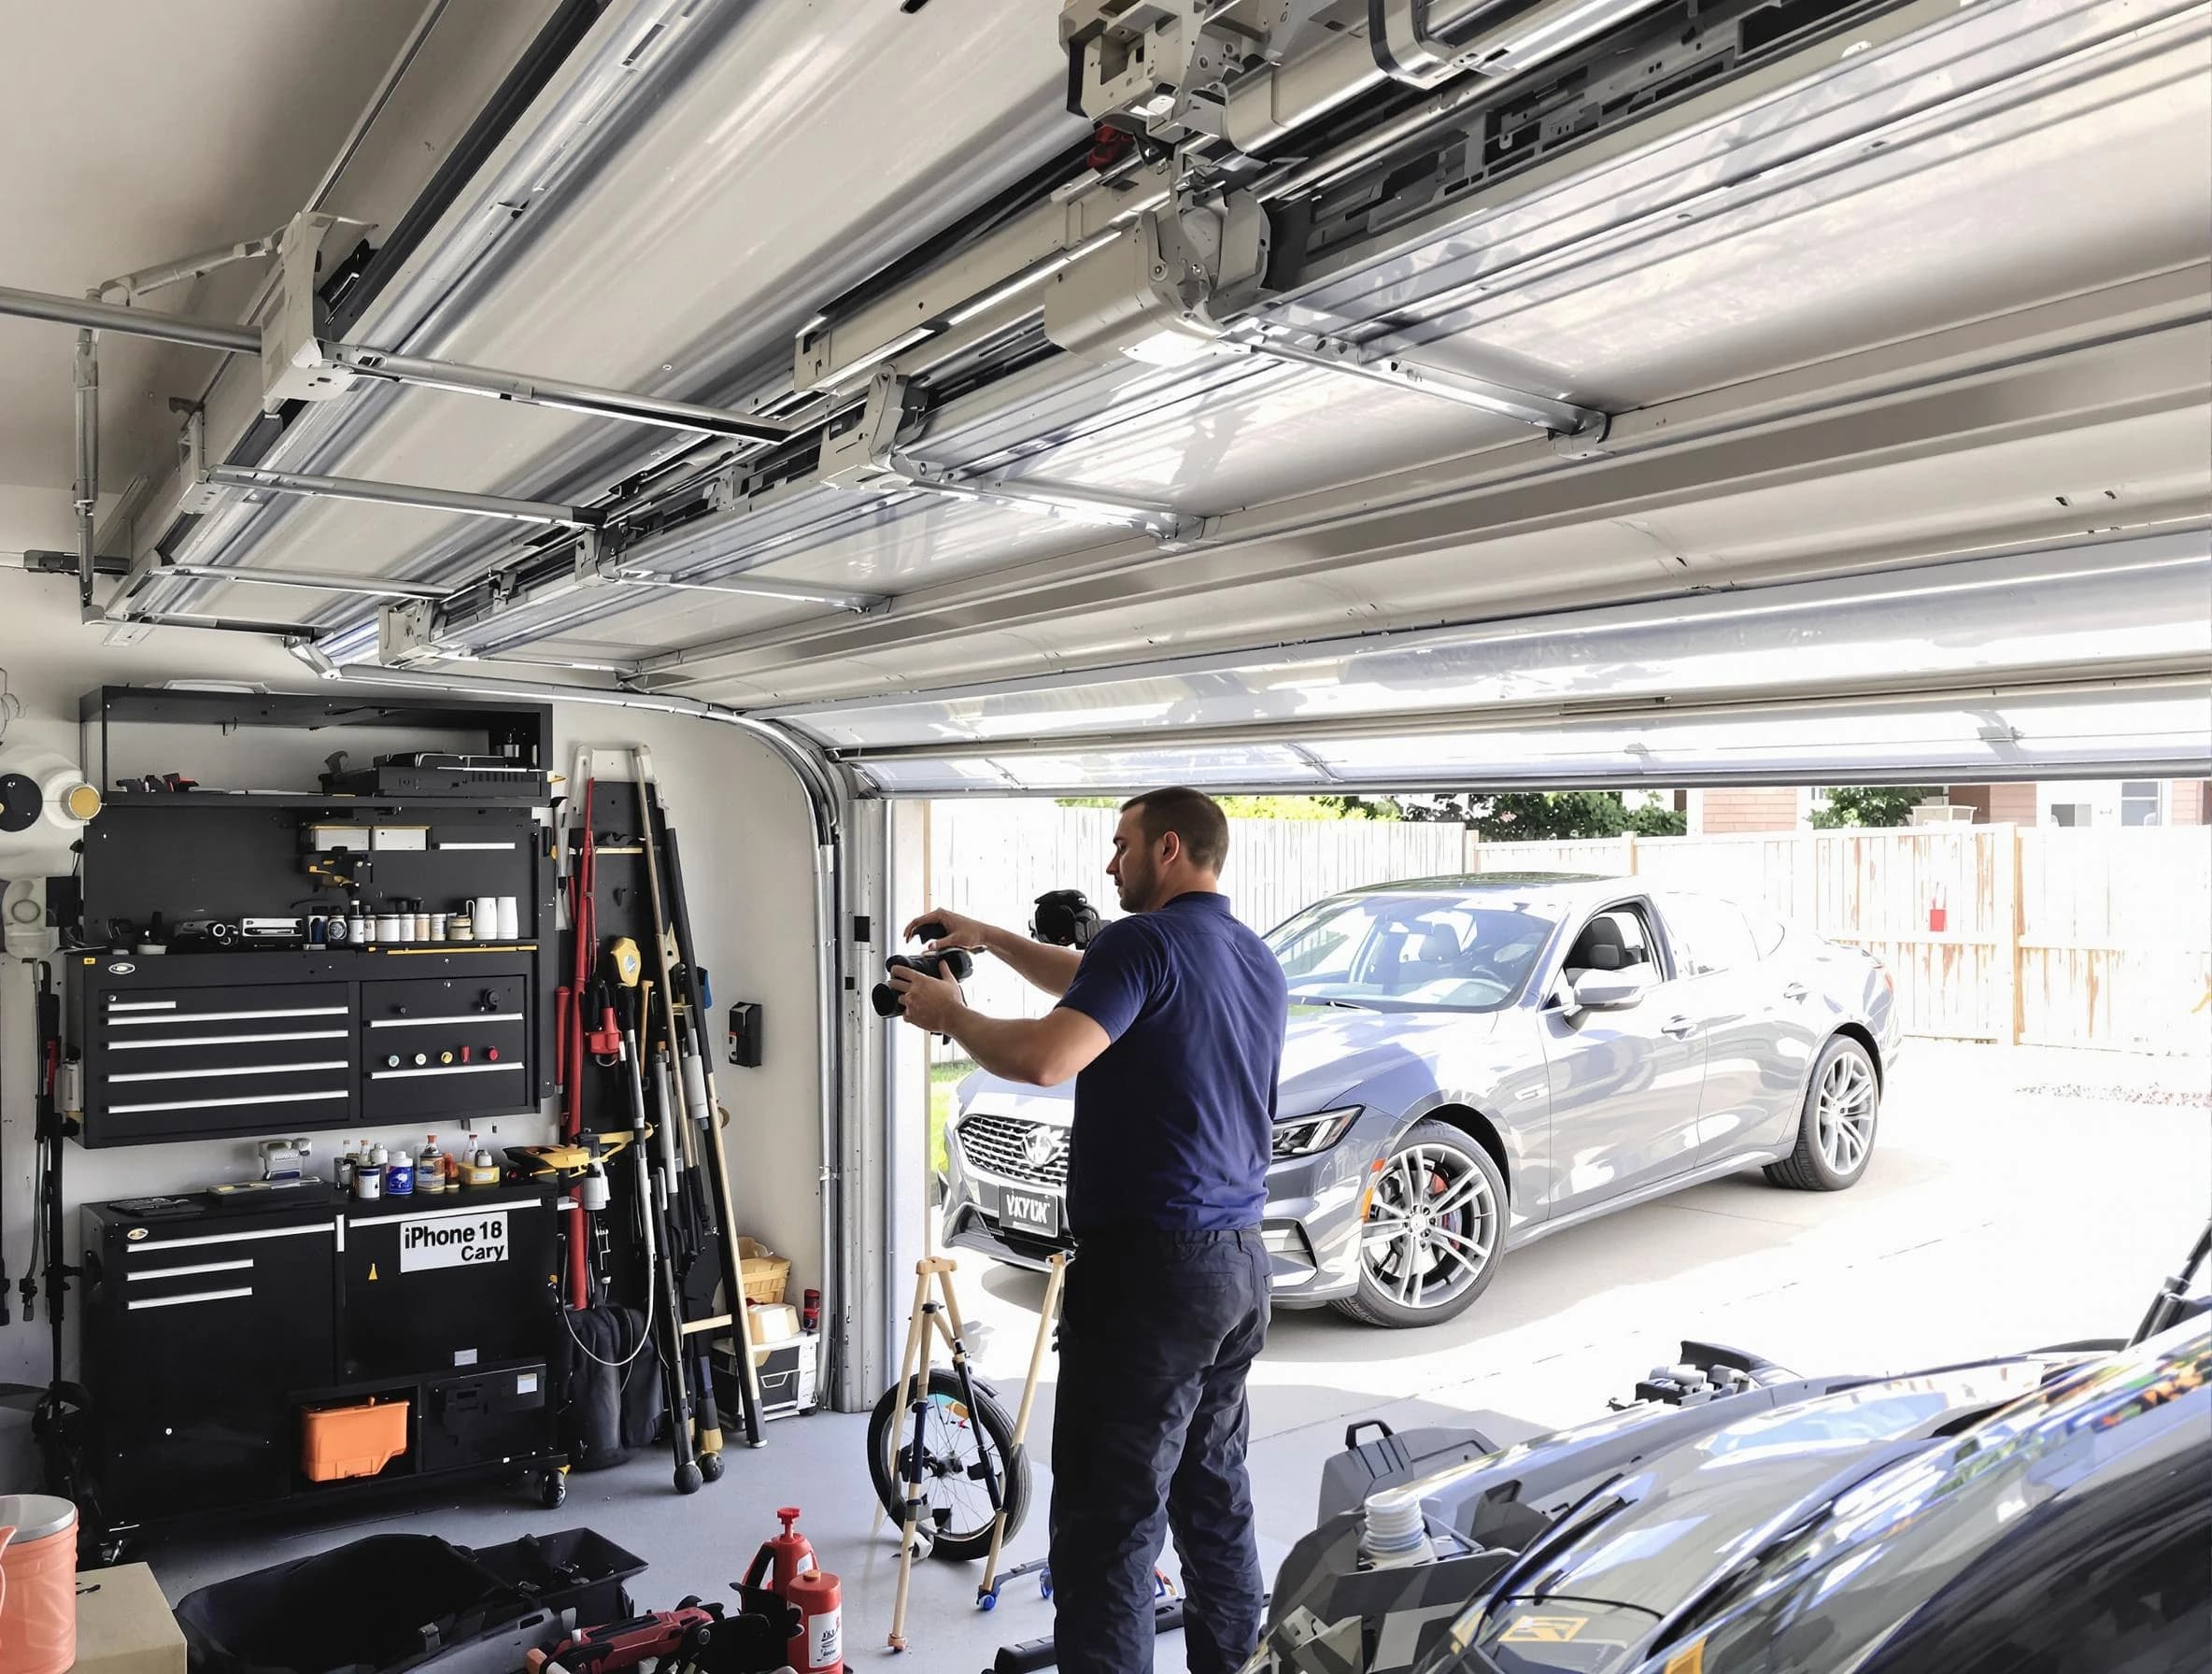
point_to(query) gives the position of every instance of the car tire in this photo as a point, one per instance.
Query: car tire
(1373, 1303)
(1835, 1128)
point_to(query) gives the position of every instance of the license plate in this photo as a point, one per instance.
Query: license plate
(1037, 1212)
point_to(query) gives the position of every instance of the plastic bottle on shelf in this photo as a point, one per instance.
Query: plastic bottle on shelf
(429, 1166)
(399, 1175)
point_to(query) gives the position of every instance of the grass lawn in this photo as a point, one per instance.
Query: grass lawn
(944, 1078)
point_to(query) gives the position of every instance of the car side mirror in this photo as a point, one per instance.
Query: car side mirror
(1609, 990)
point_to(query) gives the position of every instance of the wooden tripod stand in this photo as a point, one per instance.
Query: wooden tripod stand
(1048, 1316)
(935, 1317)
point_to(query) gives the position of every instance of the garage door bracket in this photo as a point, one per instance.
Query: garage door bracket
(867, 457)
(1577, 432)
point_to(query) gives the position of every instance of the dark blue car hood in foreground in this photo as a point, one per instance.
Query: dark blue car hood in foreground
(1807, 1537)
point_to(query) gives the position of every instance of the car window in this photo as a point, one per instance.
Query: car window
(1413, 952)
(1617, 939)
(1709, 934)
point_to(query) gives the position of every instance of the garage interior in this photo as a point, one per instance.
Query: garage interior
(1273, 396)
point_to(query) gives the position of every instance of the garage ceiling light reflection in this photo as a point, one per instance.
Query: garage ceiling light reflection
(2072, 607)
(2163, 728)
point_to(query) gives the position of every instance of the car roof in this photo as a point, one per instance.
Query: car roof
(1568, 887)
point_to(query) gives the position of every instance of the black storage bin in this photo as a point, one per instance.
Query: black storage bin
(393, 1602)
(577, 1568)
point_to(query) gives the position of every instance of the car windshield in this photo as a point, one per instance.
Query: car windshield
(1468, 953)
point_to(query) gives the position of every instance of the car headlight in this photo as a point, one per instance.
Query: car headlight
(1302, 1136)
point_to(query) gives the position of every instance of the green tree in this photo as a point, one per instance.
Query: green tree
(1871, 805)
(1658, 819)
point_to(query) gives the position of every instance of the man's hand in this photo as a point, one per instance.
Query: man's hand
(928, 1003)
(961, 930)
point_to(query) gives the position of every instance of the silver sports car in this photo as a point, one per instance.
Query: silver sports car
(1474, 1063)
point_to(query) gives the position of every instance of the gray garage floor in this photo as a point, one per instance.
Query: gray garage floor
(2014, 1198)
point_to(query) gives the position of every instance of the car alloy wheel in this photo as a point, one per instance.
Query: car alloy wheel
(1431, 1227)
(1845, 1113)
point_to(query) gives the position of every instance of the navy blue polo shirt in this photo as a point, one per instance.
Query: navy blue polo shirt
(1174, 1120)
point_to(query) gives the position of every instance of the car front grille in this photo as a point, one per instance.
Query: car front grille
(1003, 1146)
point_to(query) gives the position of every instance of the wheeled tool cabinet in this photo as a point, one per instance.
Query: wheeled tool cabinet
(221, 1340)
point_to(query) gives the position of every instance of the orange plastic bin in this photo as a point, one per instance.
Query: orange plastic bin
(359, 1440)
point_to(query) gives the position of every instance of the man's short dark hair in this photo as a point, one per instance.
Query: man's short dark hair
(1193, 815)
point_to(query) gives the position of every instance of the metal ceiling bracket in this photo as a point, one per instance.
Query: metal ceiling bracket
(866, 457)
(295, 365)
(1158, 63)
(254, 478)
(405, 635)
(1560, 418)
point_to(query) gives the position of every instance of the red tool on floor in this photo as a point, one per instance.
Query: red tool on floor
(658, 1634)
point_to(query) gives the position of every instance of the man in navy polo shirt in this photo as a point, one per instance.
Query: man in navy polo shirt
(1172, 1024)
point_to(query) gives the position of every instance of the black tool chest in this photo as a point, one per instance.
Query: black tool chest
(183, 1036)
(291, 1340)
(209, 1333)
(206, 1046)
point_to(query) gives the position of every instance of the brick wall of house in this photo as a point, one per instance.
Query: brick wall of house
(2187, 804)
(1756, 808)
(2012, 804)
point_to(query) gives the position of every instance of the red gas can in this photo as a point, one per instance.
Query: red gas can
(787, 1567)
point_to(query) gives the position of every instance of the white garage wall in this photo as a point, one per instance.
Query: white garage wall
(748, 854)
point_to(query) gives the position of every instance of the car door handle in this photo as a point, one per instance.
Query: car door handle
(1682, 1028)
(1796, 991)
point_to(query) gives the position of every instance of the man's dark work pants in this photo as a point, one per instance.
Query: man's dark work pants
(1158, 1331)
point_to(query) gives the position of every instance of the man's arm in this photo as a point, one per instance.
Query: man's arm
(1037, 963)
(1041, 1051)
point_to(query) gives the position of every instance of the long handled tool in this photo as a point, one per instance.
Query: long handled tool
(697, 1082)
(986, 1593)
(668, 1326)
(570, 1022)
(706, 1422)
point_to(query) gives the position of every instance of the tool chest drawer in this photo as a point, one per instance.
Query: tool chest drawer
(176, 1062)
(445, 1046)
(195, 1339)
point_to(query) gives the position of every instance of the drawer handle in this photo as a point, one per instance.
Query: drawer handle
(282, 1011)
(140, 1005)
(327, 1229)
(302, 1034)
(328, 1063)
(442, 1070)
(197, 1295)
(118, 1110)
(456, 1018)
(197, 1267)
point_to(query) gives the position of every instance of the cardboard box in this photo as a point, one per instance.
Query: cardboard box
(123, 1624)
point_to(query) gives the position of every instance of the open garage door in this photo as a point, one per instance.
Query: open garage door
(2086, 660)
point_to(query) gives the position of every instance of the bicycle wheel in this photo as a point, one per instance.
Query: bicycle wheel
(956, 1438)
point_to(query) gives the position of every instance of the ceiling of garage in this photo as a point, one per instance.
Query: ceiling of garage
(1932, 289)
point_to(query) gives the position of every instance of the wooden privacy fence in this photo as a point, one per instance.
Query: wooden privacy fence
(2026, 935)
(992, 859)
